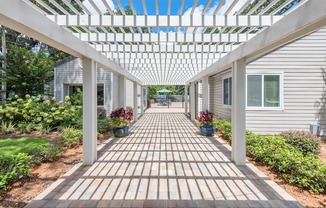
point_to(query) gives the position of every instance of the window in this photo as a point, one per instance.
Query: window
(100, 92)
(264, 90)
(227, 91)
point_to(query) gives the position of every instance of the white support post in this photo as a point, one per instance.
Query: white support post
(192, 102)
(135, 108)
(205, 93)
(142, 100)
(122, 91)
(239, 112)
(186, 99)
(89, 112)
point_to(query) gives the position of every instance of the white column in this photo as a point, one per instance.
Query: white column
(89, 112)
(192, 102)
(186, 99)
(205, 93)
(122, 91)
(239, 112)
(135, 101)
(142, 100)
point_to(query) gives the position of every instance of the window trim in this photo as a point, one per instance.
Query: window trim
(280, 74)
(224, 78)
(81, 85)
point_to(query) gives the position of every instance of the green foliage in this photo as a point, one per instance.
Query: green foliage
(77, 98)
(12, 146)
(24, 127)
(27, 71)
(225, 128)
(71, 137)
(40, 115)
(45, 153)
(7, 127)
(13, 168)
(295, 167)
(304, 141)
(103, 125)
(175, 89)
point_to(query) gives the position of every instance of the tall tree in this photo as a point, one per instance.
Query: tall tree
(27, 71)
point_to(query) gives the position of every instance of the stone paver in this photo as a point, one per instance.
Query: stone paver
(164, 162)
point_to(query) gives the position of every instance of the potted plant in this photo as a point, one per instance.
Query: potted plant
(119, 119)
(205, 122)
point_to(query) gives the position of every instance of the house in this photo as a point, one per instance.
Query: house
(68, 78)
(285, 88)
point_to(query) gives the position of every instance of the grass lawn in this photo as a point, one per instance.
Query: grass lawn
(22, 145)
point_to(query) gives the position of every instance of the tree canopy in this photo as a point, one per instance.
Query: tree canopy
(27, 71)
(175, 89)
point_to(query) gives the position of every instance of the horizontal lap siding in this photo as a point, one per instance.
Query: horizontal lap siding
(215, 94)
(70, 72)
(304, 87)
(67, 73)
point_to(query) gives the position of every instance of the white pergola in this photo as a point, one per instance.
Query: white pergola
(151, 48)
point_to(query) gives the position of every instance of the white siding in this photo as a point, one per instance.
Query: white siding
(304, 86)
(304, 90)
(216, 101)
(70, 72)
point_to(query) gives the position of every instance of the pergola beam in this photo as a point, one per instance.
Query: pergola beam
(171, 49)
(50, 33)
(165, 37)
(166, 20)
(307, 18)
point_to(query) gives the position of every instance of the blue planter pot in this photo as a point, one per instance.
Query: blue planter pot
(207, 130)
(121, 132)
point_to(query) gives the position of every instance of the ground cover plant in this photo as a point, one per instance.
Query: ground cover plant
(12, 146)
(294, 166)
(33, 114)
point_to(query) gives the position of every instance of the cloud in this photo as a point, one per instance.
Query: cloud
(199, 10)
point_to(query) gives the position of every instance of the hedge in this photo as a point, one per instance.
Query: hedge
(295, 167)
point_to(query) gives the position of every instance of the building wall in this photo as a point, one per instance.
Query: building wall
(304, 92)
(216, 101)
(70, 72)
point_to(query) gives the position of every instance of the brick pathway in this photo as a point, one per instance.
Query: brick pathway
(164, 162)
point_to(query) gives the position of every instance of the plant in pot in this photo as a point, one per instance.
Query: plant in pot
(205, 122)
(119, 119)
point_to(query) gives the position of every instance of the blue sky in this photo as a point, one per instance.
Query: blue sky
(163, 5)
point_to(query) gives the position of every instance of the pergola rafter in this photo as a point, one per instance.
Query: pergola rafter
(154, 42)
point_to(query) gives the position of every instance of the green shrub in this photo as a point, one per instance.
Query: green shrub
(71, 137)
(46, 153)
(7, 127)
(25, 127)
(304, 141)
(13, 168)
(224, 127)
(294, 166)
(47, 113)
(102, 125)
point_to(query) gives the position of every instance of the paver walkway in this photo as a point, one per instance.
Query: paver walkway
(164, 162)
